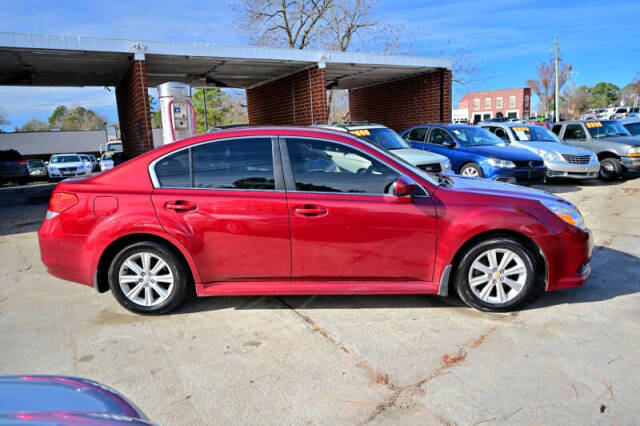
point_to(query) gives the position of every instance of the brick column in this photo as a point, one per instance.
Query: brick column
(134, 111)
(299, 99)
(403, 103)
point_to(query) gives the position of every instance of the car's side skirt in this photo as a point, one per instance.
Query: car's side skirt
(247, 288)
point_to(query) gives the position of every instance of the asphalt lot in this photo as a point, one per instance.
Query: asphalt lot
(570, 358)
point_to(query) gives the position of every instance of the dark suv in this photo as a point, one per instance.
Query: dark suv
(13, 167)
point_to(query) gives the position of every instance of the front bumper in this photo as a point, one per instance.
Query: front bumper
(568, 256)
(631, 163)
(575, 171)
(527, 175)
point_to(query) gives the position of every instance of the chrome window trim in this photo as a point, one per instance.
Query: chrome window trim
(427, 195)
(156, 183)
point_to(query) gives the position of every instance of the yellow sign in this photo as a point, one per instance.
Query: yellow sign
(520, 129)
(593, 124)
(361, 132)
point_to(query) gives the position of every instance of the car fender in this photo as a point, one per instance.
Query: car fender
(458, 224)
(120, 225)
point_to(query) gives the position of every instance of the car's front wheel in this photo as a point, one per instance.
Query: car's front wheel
(496, 275)
(148, 278)
(471, 170)
(611, 168)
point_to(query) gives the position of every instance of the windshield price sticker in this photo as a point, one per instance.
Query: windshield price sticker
(521, 129)
(457, 132)
(362, 132)
(593, 124)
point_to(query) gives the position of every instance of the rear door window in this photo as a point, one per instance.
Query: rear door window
(234, 164)
(174, 171)
(417, 134)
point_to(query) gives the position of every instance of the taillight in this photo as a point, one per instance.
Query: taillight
(61, 201)
(22, 162)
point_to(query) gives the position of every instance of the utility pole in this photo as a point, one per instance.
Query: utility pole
(557, 102)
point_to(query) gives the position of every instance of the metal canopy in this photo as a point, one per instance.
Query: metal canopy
(52, 60)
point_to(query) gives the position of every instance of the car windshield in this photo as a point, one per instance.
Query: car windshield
(533, 134)
(475, 136)
(633, 128)
(35, 163)
(603, 129)
(383, 137)
(65, 159)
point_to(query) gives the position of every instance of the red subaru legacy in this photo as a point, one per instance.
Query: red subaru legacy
(275, 210)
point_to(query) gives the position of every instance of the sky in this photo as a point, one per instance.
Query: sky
(507, 38)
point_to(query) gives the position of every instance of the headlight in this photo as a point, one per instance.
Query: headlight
(548, 156)
(634, 152)
(501, 163)
(446, 165)
(567, 212)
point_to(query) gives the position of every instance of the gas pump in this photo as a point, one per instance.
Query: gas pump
(178, 116)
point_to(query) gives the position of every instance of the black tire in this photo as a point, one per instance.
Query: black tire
(463, 288)
(474, 166)
(611, 169)
(178, 269)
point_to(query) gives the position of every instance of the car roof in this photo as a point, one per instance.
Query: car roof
(351, 125)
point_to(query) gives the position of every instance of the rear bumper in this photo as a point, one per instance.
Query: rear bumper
(568, 255)
(65, 255)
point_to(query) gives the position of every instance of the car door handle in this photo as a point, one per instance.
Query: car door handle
(309, 210)
(180, 206)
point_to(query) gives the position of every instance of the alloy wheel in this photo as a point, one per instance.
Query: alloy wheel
(146, 279)
(497, 275)
(470, 171)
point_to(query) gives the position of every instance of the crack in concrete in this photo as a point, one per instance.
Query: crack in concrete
(402, 397)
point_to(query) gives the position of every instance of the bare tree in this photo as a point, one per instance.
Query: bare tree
(544, 84)
(287, 23)
(3, 119)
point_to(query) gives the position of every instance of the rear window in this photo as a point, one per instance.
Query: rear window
(36, 163)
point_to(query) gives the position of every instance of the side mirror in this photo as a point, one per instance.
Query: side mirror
(46, 163)
(449, 143)
(404, 187)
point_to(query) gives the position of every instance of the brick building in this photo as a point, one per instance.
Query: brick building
(510, 103)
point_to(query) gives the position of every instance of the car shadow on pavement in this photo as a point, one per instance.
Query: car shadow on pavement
(614, 274)
(22, 209)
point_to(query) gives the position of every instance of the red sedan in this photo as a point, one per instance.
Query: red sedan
(278, 210)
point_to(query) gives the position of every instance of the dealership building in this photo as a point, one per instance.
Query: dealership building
(283, 86)
(480, 106)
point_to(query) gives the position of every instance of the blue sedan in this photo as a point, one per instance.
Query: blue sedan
(475, 152)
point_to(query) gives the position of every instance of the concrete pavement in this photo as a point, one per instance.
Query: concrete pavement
(571, 357)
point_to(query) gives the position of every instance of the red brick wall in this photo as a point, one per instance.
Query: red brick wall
(403, 103)
(134, 111)
(519, 93)
(299, 99)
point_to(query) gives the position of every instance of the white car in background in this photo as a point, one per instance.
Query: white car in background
(106, 161)
(90, 161)
(66, 165)
(386, 138)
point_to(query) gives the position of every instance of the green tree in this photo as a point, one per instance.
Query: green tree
(78, 118)
(217, 108)
(603, 94)
(156, 115)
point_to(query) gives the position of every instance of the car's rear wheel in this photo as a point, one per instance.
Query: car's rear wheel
(471, 170)
(611, 168)
(496, 275)
(148, 278)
